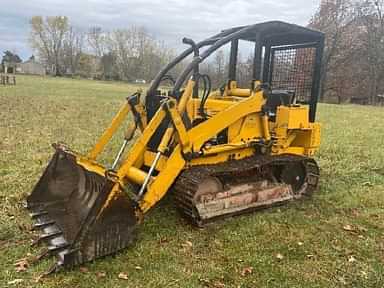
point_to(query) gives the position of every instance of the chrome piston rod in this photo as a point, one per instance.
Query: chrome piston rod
(149, 175)
(118, 156)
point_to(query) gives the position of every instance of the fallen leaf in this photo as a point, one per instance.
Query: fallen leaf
(217, 242)
(204, 281)
(351, 259)
(355, 212)
(101, 274)
(349, 228)
(218, 284)
(342, 280)
(246, 271)
(187, 271)
(188, 244)
(38, 278)
(362, 229)
(123, 276)
(368, 184)
(163, 240)
(84, 269)
(16, 281)
(21, 265)
(21, 260)
(279, 256)
(33, 259)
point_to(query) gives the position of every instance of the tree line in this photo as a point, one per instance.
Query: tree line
(354, 54)
(353, 62)
(121, 54)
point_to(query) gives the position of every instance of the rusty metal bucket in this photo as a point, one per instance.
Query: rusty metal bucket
(66, 206)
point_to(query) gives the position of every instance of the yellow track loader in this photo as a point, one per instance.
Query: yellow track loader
(221, 152)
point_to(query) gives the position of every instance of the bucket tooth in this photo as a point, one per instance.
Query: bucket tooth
(34, 215)
(46, 237)
(70, 206)
(56, 248)
(42, 225)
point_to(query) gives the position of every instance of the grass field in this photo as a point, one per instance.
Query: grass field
(334, 240)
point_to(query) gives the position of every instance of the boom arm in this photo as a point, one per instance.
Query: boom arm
(193, 139)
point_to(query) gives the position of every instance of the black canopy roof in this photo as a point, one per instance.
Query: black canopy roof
(275, 33)
(271, 33)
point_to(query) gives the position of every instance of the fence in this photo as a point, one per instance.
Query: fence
(7, 79)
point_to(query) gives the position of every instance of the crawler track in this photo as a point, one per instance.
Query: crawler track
(300, 174)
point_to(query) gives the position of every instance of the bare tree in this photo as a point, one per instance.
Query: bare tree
(125, 54)
(72, 50)
(121, 44)
(244, 70)
(354, 54)
(371, 16)
(219, 65)
(332, 19)
(97, 40)
(47, 37)
(136, 53)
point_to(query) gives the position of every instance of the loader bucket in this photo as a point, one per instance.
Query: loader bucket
(67, 206)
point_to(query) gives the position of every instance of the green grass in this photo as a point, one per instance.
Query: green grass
(309, 235)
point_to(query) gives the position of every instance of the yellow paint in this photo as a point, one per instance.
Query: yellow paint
(238, 111)
(225, 155)
(234, 134)
(138, 149)
(149, 157)
(265, 125)
(239, 92)
(293, 117)
(179, 125)
(159, 187)
(90, 165)
(136, 175)
(206, 130)
(140, 108)
(110, 131)
(115, 124)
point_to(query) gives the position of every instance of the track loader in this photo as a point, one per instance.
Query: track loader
(220, 152)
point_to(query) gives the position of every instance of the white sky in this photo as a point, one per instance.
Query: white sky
(168, 21)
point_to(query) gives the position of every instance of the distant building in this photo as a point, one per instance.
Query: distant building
(8, 67)
(31, 66)
(9, 62)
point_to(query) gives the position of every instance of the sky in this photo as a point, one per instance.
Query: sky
(167, 21)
